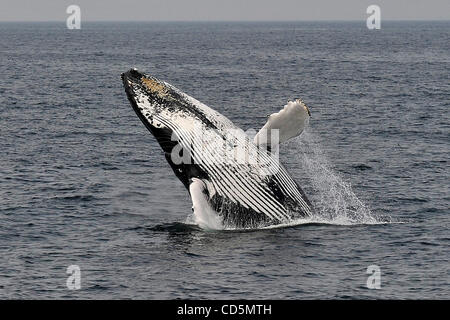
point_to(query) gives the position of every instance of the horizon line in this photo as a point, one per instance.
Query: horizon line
(230, 21)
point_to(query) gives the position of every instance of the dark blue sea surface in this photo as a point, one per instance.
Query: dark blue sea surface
(82, 181)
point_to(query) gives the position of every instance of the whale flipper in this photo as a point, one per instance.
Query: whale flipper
(289, 121)
(204, 214)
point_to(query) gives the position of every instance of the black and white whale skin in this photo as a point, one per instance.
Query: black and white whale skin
(242, 193)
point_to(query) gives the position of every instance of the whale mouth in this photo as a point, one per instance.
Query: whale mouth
(132, 81)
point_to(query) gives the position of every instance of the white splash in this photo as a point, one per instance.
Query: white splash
(332, 196)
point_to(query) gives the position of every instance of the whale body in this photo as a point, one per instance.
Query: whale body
(242, 181)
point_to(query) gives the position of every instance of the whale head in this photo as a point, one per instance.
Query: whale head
(171, 116)
(164, 108)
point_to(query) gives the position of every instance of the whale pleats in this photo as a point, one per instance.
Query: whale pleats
(236, 182)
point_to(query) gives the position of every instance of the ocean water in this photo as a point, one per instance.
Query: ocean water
(83, 183)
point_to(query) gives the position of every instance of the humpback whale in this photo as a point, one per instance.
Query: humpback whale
(239, 178)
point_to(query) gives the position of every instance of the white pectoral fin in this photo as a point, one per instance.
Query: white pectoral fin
(283, 125)
(199, 193)
(204, 215)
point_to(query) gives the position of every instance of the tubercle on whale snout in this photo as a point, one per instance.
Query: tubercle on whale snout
(133, 72)
(154, 87)
(132, 76)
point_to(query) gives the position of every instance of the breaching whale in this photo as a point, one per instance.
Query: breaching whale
(240, 179)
